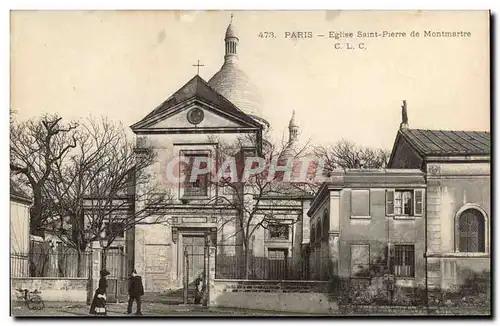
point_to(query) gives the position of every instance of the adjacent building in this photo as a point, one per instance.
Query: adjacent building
(19, 230)
(367, 223)
(457, 173)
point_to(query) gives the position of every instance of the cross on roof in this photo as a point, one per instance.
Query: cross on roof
(198, 67)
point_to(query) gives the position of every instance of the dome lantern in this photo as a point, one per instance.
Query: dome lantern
(232, 83)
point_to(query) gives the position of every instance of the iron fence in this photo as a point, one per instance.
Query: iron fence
(50, 264)
(231, 262)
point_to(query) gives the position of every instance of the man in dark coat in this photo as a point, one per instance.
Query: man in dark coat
(135, 291)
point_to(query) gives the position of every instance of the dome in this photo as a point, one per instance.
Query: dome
(232, 83)
(231, 31)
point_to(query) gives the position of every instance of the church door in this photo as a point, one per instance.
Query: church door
(194, 263)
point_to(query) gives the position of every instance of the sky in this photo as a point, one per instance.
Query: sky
(123, 64)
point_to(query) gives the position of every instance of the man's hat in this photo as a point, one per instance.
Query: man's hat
(104, 272)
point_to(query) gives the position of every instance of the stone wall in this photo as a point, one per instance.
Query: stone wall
(291, 296)
(53, 289)
(451, 188)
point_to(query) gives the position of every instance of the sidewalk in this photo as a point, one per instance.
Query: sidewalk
(54, 309)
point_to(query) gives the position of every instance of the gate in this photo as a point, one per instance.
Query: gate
(195, 252)
(117, 279)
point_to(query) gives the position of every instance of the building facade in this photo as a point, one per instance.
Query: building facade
(197, 121)
(367, 223)
(457, 169)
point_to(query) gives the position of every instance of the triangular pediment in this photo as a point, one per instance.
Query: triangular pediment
(210, 119)
(195, 95)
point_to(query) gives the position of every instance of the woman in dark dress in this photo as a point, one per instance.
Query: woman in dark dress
(98, 306)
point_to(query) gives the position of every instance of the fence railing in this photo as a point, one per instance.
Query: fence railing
(232, 263)
(50, 264)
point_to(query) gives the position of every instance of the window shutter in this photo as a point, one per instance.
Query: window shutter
(389, 202)
(419, 202)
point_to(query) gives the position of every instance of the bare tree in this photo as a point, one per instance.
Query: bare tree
(104, 188)
(346, 154)
(254, 197)
(36, 147)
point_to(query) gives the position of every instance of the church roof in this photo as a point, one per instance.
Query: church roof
(199, 89)
(448, 142)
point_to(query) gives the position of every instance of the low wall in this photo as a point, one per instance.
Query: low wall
(53, 289)
(414, 310)
(290, 296)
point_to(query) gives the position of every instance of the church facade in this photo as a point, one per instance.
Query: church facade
(196, 121)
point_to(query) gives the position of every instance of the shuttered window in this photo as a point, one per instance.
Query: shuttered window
(389, 202)
(419, 202)
(404, 202)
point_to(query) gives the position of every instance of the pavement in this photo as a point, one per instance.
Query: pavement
(65, 309)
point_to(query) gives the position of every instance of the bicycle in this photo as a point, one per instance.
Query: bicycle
(32, 299)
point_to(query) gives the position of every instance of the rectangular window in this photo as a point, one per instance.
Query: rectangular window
(278, 232)
(198, 186)
(360, 260)
(115, 229)
(404, 261)
(405, 202)
(360, 203)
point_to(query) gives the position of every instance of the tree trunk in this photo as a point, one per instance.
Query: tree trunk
(248, 258)
(104, 257)
(36, 212)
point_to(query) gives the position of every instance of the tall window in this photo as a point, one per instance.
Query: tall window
(471, 231)
(198, 186)
(278, 232)
(403, 203)
(404, 261)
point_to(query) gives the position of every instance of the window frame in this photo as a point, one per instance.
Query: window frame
(282, 225)
(117, 237)
(417, 208)
(402, 207)
(369, 204)
(182, 185)
(393, 263)
(480, 235)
